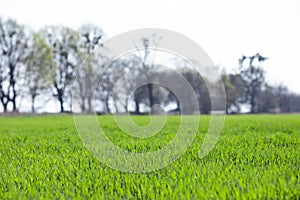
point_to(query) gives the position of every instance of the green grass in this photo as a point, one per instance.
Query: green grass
(256, 157)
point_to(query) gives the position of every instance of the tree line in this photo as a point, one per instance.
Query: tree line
(50, 63)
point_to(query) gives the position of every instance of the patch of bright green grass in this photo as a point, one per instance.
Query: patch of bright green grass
(256, 157)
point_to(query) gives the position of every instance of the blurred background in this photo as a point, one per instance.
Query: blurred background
(255, 45)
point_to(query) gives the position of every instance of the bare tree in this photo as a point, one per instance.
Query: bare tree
(254, 78)
(234, 88)
(231, 94)
(40, 68)
(200, 88)
(65, 45)
(117, 82)
(267, 101)
(13, 42)
(144, 69)
(90, 65)
(282, 95)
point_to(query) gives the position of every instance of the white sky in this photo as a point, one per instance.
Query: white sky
(224, 29)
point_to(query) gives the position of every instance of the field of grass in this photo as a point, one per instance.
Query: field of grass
(256, 157)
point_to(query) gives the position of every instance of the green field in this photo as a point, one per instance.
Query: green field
(256, 157)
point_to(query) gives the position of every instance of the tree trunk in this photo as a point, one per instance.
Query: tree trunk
(137, 107)
(252, 103)
(150, 94)
(89, 110)
(116, 106)
(107, 104)
(14, 104)
(126, 104)
(60, 94)
(61, 101)
(32, 104)
(82, 106)
(71, 103)
(178, 105)
(13, 86)
(5, 107)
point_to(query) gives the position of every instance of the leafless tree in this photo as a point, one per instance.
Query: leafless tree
(254, 78)
(40, 69)
(13, 44)
(144, 69)
(90, 66)
(65, 45)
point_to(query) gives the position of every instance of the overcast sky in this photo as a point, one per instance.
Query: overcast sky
(224, 29)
